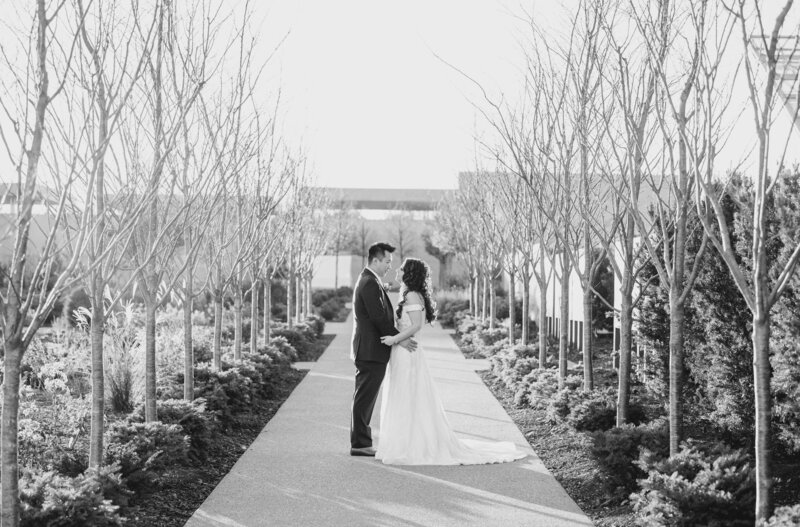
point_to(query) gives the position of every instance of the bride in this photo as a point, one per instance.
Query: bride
(414, 428)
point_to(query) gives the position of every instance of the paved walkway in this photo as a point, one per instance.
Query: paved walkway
(298, 471)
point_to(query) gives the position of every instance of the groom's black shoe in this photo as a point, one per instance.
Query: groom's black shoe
(363, 451)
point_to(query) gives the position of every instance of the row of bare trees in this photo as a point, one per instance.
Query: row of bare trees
(146, 164)
(622, 132)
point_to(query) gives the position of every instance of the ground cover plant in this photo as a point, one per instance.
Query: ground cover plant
(154, 473)
(624, 475)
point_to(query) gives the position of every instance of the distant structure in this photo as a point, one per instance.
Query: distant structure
(385, 198)
(401, 217)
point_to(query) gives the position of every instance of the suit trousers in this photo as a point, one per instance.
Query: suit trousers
(369, 376)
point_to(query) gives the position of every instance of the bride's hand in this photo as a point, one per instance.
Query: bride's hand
(389, 341)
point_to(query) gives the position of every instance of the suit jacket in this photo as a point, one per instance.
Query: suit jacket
(373, 318)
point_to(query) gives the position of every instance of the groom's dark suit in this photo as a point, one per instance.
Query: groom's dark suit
(373, 318)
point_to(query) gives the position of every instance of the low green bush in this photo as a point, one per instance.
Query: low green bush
(317, 323)
(511, 365)
(617, 451)
(191, 416)
(593, 411)
(700, 485)
(52, 428)
(300, 336)
(280, 351)
(449, 307)
(49, 498)
(785, 517)
(143, 450)
(226, 392)
(329, 310)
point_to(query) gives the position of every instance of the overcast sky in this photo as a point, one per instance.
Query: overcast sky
(364, 89)
(365, 94)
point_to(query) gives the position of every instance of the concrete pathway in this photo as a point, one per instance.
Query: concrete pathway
(298, 471)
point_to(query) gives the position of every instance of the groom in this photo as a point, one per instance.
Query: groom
(373, 318)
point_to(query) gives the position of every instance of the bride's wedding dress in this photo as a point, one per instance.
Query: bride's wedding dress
(414, 429)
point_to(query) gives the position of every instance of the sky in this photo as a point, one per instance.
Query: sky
(369, 89)
(364, 91)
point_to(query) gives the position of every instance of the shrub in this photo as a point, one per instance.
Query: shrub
(618, 449)
(191, 416)
(594, 411)
(226, 392)
(317, 323)
(280, 351)
(713, 485)
(48, 498)
(559, 407)
(785, 517)
(228, 332)
(123, 352)
(203, 344)
(329, 310)
(490, 336)
(511, 365)
(50, 427)
(142, 450)
(597, 410)
(449, 306)
(297, 337)
(77, 298)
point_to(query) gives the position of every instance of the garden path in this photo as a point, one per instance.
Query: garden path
(299, 472)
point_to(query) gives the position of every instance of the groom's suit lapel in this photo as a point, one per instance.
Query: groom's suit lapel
(386, 298)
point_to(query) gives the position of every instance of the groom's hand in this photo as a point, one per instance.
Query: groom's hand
(409, 344)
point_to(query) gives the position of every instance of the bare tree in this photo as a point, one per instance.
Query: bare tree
(402, 233)
(761, 287)
(28, 113)
(632, 85)
(177, 69)
(461, 235)
(109, 73)
(670, 179)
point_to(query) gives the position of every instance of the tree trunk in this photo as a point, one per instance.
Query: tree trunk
(563, 342)
(676, 316)
(218, 330)
(254, 316)
(625, 343)
(299, 299)
(473, 310)
(9, 473)
(336, 271)
(150, 414)
(98, 376)
(289, 297)
(237, 321)
(588, 370)
(188, 341)
(485, 298)
(308, 297)
(267, 309)
(762, 374)
(492, 302)
(526, 308)
(512, 300)
(543, 322)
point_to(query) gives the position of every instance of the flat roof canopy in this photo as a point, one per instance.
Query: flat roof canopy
(385, 198)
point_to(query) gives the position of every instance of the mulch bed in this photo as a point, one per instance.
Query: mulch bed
(183, 489)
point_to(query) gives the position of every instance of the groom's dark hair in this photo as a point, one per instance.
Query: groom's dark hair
(378, 250)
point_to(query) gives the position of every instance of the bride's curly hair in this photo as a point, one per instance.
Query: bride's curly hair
(417, 278)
